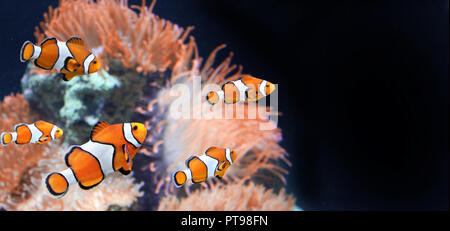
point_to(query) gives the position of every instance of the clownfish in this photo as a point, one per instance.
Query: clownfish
(110, 148)
(213, 163)
(70, 58)
(39, 132)
(245, 90)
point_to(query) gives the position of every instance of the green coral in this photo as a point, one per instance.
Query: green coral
(84, 100)
(78, 104)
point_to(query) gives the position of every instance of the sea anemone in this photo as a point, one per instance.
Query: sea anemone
(258, 149)
(18, 172)
(141, 40)
(231, 197)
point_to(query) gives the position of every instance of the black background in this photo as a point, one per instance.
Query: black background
(363, 88)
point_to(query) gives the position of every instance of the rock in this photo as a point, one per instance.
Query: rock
(77, 105)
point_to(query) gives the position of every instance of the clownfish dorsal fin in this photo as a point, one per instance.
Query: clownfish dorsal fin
(98, 127)
(76, 41)
(48, 41)
(210, 150)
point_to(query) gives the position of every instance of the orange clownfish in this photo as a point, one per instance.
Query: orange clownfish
(213, 163)
(110, 148)
(39, 132)
(70, 58)
(247, 89)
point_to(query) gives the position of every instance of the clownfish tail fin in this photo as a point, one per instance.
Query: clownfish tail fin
(57, 184)
(179, 178)
(27, 51)
(7, 138)
(212, 97)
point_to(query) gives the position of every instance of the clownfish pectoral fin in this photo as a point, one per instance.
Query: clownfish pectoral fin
(221, 166)
(128, 160)
(43, 140)
(71, 65)
(75, 41)
(97, 128)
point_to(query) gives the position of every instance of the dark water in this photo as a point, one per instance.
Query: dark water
(363, 88)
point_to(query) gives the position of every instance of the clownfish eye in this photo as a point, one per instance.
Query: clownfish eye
(95, 62)
(135, 127)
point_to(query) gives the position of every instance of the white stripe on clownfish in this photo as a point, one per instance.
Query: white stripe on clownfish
(188, 173)
(14, 136)
(36, 134)
(228, 156)
(211, 164)
(36, 51)
(68, 174)
(262, 88)
(221, 95)
(87, 62)
(63, 54)
(242, 88)
(128, 134)
(104, 153)
(53, 132)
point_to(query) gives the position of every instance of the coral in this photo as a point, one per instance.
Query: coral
(18, 162)
(231, 197)
(139, 40)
